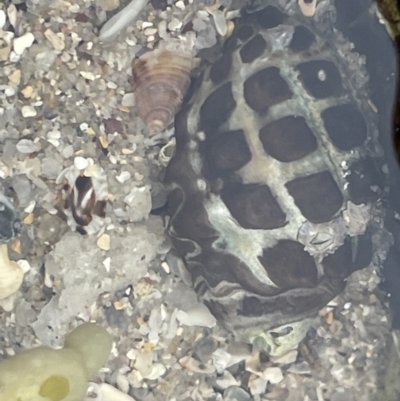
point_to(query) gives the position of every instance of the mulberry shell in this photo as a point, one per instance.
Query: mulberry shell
(161, 80)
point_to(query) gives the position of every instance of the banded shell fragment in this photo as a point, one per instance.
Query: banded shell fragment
(84, 192)
(161, 80)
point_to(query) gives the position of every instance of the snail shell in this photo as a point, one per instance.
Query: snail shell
(85, 193)
(161, 80)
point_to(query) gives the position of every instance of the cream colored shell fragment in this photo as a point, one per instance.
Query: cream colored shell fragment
(11, 274)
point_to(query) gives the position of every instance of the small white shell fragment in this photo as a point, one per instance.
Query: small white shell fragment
(27, 146)
(273, 374)
(57, 40)
(198, 316)
(12, 14)
(81, 163)
(11, 274)
(30, 207)
(166, 267)
(28, 111)
(107, 264)
(2, 19)
(121, 20)
(23, 42)
(106, 392)
(104, 242)
(307, 7)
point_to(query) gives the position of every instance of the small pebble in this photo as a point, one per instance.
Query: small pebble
(23, 42)
(104, 242)
(28, 111)
(15, 77)
(27, 92)
(57, 40)
(27, 146)
(128, 100)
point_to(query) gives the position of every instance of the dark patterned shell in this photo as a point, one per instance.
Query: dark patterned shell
(276, 177)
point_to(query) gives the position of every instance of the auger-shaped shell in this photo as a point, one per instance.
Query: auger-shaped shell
(11, 274)
(161, 80)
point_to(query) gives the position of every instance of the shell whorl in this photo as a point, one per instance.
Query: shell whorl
(161, 80)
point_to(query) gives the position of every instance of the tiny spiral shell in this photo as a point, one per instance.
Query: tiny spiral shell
(161, 80)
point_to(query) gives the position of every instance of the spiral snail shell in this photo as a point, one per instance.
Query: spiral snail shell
(161, 80)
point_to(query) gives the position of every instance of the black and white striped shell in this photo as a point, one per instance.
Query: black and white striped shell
(276, 181)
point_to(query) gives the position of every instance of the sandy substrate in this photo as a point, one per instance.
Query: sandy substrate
(66, 100)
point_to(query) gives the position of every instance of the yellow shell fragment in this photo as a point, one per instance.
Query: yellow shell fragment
(11, 275)
(103, 242)
(308, 7)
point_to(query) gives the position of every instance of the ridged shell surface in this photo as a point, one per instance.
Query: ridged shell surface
(276, 181)
(161, 80)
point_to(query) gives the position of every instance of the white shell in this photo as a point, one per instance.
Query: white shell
(11, 274)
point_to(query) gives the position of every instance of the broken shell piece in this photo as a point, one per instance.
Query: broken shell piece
(11, 274)
(167, 152)
(197, 316)
(161, 80)
(85, 196)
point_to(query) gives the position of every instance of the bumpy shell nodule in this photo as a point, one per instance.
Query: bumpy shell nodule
(161, 80)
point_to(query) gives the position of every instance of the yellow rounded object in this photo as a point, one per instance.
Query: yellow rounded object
(46, 374)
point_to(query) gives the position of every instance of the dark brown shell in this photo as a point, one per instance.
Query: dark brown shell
(276, 181)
